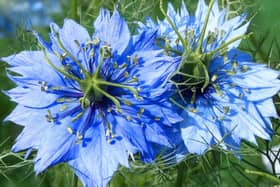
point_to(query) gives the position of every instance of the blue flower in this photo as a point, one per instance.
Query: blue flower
(223, 96)
(218, 29)
(93, 102)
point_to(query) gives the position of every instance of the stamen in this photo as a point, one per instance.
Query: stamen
(126, 102)
(140, 112)
(134, 79)
(217, 89)
(50, 117)
(79, 135)
(126, 74)
(230, 73)
(226, 109)
(193, 110)
(70, 130)
(122, 66)
(63, 108)
(157, 118)
(135, 60)
(244, 68)
(128, 118)
(115, 65)
(214, 78)
(79, 115)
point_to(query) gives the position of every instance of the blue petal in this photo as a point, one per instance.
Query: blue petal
(112, 30)
(32, 65)
(99, 159)
(72, 35)
(32, 97)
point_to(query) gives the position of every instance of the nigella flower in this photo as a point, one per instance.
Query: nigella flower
(92, 101)
(221, 93)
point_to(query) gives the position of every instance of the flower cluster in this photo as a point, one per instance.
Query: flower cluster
(96, 101)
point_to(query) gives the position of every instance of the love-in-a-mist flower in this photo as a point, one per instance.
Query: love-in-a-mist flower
(92, 101)
(222, 94)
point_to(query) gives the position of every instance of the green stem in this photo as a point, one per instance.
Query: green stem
(211, 53)
(74, 9)
(134, 91)
(200, 41)
(112, 98)
(172, 25)
(271, 177)
(100, 61)
(75, 181)
(60, 70)
(72, 56)
(206, 81)
(180, 175)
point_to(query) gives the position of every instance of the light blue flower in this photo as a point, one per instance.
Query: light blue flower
(218, 30)
(92, 101)
(221, 93)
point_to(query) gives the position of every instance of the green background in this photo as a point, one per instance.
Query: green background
(215, 168)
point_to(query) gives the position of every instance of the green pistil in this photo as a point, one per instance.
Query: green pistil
(200, 41)
(93, 86)
(226, 44)
(66, 52)
(173, 25)
(66, 74)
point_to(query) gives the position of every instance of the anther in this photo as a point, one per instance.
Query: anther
(214, 78)
(122, 66)
(79, 135)
(217, 89)
(140, 112)
(115, 65)
(126, 74)
(63, 56)
(157, 118)
(63, 108)
(96, 41)
(244, 68)
(226, 109)
(234, 65)
(70, 130)
(134, 79)
(128, 118)
(135, 60)
(193, 110)
(49, 117)
(77, 116)
(230, 73)
(126, 102)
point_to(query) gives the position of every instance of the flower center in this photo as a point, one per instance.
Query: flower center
(92, 81)
(192, 75)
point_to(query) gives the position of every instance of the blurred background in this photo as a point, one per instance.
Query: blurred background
(257, 166)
